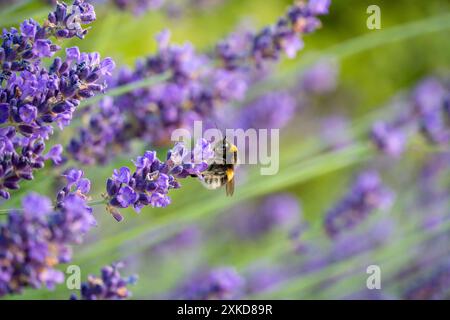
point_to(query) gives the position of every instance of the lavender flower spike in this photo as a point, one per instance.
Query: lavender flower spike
(366, 195)
(197, 87)
(36, 239)
(110, 286)
(152, 179)
(34, 98)
(222, 283)
(388, 138)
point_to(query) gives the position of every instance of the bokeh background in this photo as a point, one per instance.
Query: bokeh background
(271, 233)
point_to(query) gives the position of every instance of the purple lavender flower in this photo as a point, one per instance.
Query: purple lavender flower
(435, 126)
(433, 191)
(173, 9)
(150, 183)
(139, 7)
(150, 114)
(197, 86)
(353, 243)
(273, 110)
(366, 195)
(389, 139)
(430, 114)
(34, 98)
(270, 42)
(55, 154)
(432, 287)
(319, 6)
(335, 131)
(37, 238)
(430, 100)
(428, 95)
(320, 78)
(110, 286)
(217, 284)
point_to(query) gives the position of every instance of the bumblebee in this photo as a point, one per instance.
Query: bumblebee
(221, 167)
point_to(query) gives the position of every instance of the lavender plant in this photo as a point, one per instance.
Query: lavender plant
(221, 283)
(109, 286)
(34, 98)
(198, 85)
(37, 238)
(150, 183)
(427, 114)
(366, 195)
(316, 260)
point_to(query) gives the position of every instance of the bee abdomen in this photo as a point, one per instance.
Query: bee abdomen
(214, 181)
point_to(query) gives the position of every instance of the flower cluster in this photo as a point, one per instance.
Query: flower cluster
(37, 238)
(150, 183)
(335, 131)
(432, 103)
(270, 42)
(217, 284)
(197, 87)
(171, 8)
(389, 138)
(34, 97)
(262, 113)
(434, 195)
(138, 6)
(149, 114)
(433, 287)
(110, 286)
(366, 195)
(428, 112)
(321, 77)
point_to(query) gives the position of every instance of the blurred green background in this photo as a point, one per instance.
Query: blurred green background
(374, 66)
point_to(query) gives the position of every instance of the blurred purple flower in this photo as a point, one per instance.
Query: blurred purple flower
(271, 111)
(366, 195)
(320, 78)
(36, 239)
(335, 132)
(319, 6)
(428, 95)
(198, 85)
(434, 286)
(218, 284)
(110, 286)
(389, 139)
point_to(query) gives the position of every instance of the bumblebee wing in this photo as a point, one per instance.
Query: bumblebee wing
(229, 187)
(230, 182)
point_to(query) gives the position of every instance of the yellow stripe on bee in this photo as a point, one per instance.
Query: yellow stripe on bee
(230, 174)
(233, 148)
